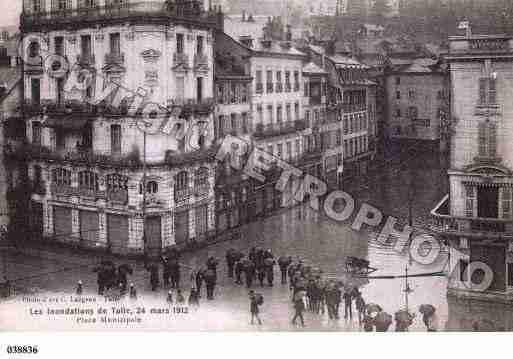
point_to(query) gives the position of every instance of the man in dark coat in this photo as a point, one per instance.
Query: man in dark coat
(249, 273)
(283, 263)
(231, 257)
(239, 268)
(210, 282)
(154, 276)
(348, 304)
(253, 307)
(200, 276)
(165, 270)
(174, 273)
(299, 308)
(212, 265)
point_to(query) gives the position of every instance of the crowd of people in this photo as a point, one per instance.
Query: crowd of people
(310, 289)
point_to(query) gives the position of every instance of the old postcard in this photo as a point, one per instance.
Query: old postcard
(244, 165)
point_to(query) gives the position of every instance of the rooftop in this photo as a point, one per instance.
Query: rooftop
(312, 68)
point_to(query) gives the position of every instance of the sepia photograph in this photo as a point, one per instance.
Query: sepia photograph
(256, 166)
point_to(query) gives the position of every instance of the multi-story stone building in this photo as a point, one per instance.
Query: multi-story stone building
(102, 181)
(417, 96)
(476, 216)
(233, 116)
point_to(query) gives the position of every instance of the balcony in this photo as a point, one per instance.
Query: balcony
(174, 158)
(86, 60)
(194, 107)
(469, 227)
(183, 12)
(114, 58)
(200, 62)
(180, 59)
(27, 152)
(278, 129)
(350, 107)
(182, 196)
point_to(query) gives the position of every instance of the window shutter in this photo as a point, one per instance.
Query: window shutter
(492, 91)
(492, 139)
(482, 139)
(482, 91)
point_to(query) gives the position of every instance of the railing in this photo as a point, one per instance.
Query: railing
(205, 106)
(200, 60)
(182, 195)
(180, 58)
(468, 226)
(35, 152)
(174, 158)
(349, 107)
(86, 59)
(201, 189)
(115, 58)
(118, 196)
(191, 11)
(276, 129)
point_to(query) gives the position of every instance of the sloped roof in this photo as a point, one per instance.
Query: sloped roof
(276, 48)
(312, 68)
(346, 61)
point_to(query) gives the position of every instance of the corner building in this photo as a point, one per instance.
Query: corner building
(101, 182)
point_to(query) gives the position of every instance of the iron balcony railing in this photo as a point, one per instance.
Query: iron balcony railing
(114, 58)
(280, 128)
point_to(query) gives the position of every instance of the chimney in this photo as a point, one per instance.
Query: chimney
(246, 40)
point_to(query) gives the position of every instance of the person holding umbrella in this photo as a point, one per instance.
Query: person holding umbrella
(284, 262)
(403, 320)
(255, 300)
(429, 317)
(299, 307)
(382, 321)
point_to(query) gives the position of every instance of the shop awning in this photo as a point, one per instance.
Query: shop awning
(66, 123)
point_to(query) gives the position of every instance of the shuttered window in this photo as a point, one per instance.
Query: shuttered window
(201, 220)
(487, 137)
(469, 201)
(506, 202)
(487, 91)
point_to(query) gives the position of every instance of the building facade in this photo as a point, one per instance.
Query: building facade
(103, 180)
(476, 216)
(417, 96)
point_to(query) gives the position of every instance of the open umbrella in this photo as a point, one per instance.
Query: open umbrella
(427, 309)
(382, 321)
(373, 308)
(404, 316)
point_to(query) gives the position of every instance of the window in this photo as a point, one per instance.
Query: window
(179, 43)
(346, 149)
(279, 84)
(233, 123)
(201, 219)
(398, 95)
(245, 126)
(114, 43)
(260, 114)
(296, 80)
(411, 94)
(351, 124)
(199, 89)
(59, 45)
(36, 133)
(115, 139)
(36, 5)
(116, 182)
(35, 91)
(397, 81)
(470, 197)
(338, 139)
(307, 117)
(88, 180)
(85, 46)
(258, 82)
(37, 175)
(221, 125)
(487, 91)
(270, 113)
(201, 179)
(280, 150)
(506, 202)
(61, 177)
(296, 111)
(346, 124)
(397, 112)
(199, 45)
(287, 81)
(60, 90)
(152, 187)
(289, 150)
(413, 112)
(60, 139)
(298, 147)
(487, 134)
(288, 112)
(279, 114)
(269, 81)
(244, 93)
(270, 150)
(233, 92)
(181, 185)
(62, 4)
(180, 89)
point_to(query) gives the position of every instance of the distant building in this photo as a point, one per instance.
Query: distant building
(417, 96)
(476, 217)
